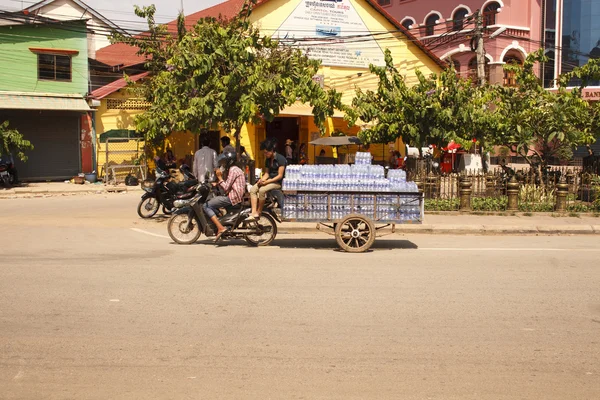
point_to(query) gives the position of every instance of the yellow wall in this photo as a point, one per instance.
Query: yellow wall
(407, 56)
(268, 17)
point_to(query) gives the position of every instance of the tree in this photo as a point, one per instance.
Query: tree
(539, 124)
(434, 111)
(12, 142)
(223, 72)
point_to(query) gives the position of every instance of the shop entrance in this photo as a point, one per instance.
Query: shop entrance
(282, 129)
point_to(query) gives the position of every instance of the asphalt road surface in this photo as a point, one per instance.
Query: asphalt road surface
(97, 304)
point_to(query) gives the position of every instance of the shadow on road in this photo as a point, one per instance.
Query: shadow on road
(317, 244)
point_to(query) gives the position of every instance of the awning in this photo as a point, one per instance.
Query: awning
(304, 110)
(336, 141)
(42, 101)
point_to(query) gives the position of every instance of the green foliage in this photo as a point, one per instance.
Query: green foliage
(12, 142)
(223, 72)
(537, 123)
(534, 198)
(434, 111)
(489, 203)
(441, 204)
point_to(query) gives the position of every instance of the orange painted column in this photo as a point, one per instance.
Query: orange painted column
(86, 144)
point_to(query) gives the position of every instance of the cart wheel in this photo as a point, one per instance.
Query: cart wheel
(355, 233)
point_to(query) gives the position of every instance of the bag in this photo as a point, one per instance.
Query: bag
(131, 180)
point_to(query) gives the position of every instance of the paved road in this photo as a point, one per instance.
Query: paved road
(93, 309)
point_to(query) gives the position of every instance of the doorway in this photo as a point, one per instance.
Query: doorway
(282, 129)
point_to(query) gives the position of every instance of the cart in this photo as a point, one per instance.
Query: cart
(355, 218)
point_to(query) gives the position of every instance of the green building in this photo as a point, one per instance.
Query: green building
(44, 79)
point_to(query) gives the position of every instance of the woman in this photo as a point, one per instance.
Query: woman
(274, 171)
(303, 157)
(170, 159)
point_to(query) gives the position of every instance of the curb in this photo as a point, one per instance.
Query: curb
(497, 230)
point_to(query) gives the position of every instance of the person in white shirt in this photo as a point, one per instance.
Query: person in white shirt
(205, 160)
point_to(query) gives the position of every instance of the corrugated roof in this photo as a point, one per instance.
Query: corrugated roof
(123, 55)
(42, 101)
(112, 87)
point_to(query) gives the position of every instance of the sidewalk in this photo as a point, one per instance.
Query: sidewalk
(467, 224)
(435, 223)
(40, 189)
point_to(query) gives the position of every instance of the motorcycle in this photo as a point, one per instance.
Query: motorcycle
(189, 221)
(164, 192)
(6, 175)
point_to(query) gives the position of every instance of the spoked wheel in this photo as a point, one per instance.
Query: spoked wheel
(148, 207)
(266, 228)
(182, 230)
(355, 234)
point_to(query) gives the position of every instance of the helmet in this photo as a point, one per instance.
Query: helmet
(226, 159)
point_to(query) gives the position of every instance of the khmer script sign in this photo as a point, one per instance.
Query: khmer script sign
(331, 31)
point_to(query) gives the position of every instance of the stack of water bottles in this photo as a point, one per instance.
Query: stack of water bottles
(389, 199)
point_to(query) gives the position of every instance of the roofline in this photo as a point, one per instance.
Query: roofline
(19, 18)
(398, 25)
(410, 36)
(81, 4)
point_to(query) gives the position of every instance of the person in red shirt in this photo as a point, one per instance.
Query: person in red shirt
(234, 187)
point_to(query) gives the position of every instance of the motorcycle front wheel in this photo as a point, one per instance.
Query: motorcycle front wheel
(182, 230)
(266, 230)
(148, 207)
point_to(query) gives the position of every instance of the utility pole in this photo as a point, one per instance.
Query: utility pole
(479, 50)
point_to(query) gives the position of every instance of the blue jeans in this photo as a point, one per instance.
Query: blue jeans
(212, 206)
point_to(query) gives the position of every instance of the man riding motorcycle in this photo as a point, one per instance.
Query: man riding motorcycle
(234, 188)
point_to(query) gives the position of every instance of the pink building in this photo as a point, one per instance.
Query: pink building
(513, 29)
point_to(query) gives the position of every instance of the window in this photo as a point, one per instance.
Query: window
(489, 14)
(53, 67)
(458, 21)
(384, 2)
(430, 23)
(510, 78)
(407, 23)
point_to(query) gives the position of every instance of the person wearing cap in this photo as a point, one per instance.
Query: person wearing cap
(289, 152)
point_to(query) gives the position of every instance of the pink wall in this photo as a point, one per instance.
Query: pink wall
(513, 14)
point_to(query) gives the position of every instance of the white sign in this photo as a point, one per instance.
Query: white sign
(333, 32)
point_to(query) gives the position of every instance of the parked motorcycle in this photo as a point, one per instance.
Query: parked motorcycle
(189, 221)
(163, 191)
(7, 176)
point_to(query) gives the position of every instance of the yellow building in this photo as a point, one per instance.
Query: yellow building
(347, 36)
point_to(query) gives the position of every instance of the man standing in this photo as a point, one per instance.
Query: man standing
(226, 144)
(205, 160)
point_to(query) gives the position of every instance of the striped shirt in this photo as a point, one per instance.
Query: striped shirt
(235, 185)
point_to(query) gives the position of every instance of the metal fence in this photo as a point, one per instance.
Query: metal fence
(537, 189)
(122, 157)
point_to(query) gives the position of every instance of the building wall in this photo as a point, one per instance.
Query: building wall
(65, 10)
(19, 66)
(521, 19)
(407, 56)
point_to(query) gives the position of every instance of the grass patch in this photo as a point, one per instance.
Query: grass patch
(528, 214)
(574, 215)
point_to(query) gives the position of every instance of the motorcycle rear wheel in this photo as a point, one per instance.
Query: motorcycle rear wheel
(266, 238)
(148, 207)
(179, 230)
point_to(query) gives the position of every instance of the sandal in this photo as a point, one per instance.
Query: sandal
(219, 234)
